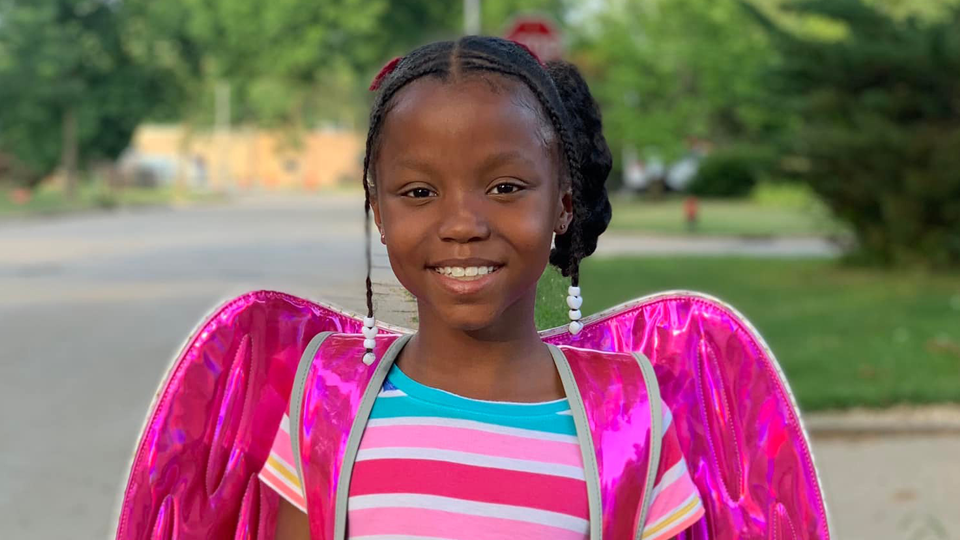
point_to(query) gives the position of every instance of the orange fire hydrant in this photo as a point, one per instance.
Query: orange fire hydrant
(691, 209)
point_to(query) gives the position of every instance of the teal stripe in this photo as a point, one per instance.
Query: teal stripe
(407, 406)
(420, 401)
(399, 380)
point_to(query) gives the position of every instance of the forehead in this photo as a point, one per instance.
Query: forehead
(464, 120)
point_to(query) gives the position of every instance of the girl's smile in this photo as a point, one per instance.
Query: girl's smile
(466, 276)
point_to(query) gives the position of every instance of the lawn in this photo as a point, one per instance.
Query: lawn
(770, 211)
(844, 336)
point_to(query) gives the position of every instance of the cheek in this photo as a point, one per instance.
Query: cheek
(532, 231)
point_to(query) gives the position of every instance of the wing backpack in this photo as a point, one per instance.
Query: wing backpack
(212, 422)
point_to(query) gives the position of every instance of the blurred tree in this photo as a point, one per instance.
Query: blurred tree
(881, 126)
(671, 70)
(64, 63)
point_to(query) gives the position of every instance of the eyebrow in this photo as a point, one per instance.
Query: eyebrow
(501, 158)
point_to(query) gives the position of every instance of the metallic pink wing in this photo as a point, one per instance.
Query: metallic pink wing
(210, 428)
(735, 415)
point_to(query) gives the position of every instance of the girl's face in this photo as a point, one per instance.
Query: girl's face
(468, 182)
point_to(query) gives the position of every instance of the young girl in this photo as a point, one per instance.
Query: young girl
(479, 158)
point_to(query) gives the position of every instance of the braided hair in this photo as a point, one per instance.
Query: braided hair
(564, 99)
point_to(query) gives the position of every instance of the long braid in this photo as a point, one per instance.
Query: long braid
(366, 234)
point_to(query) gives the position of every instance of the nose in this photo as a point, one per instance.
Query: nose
(463, 218)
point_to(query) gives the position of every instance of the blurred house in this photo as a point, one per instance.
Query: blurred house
(242, 158)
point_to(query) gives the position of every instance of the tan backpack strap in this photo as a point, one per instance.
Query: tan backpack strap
(656, 435)
(296, 397)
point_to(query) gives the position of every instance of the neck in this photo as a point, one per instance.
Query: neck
(505, 361)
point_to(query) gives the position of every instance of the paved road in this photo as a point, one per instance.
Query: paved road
(92, 308)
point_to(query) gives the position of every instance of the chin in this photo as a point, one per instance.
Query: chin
(468, 318)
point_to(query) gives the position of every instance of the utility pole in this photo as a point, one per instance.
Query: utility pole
(471, 17)
(222, 132)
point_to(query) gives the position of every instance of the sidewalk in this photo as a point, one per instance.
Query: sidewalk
(612, 244)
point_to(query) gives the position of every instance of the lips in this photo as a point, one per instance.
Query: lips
(465, 285)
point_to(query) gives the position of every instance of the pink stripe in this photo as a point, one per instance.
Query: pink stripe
(671, 499)
(670, 453)
(283, 449)
(481, 484)
(473, 441)
(272, 481)
(441, 524)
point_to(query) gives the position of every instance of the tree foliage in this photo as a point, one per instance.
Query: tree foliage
(67, 58)
(675, 69)
(881, 125)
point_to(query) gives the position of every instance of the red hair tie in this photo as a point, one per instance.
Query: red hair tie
(384, 71)
(529, 50)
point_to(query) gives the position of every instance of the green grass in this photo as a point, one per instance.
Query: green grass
(50, 200)
(770, 211)
(844, 336)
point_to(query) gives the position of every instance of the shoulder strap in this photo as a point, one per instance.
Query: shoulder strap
(296, 397)
(656, 435)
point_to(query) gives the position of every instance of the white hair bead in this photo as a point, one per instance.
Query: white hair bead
(574, 314)
(574, 302)
(573, 291)
(575, 327)
(369, 332)
(369, 343)
(369, 322)
(369, 358)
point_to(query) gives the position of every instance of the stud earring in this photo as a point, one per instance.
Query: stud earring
(369, 333)
(574, 301)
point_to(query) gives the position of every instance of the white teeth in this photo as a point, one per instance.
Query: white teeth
(469, 271)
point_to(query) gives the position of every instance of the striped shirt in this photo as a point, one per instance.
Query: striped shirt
(435, 465)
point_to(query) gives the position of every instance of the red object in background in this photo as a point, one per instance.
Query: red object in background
(538, 33)
(691, 209)
(21, 196)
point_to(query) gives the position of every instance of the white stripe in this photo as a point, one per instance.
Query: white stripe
(669, 477)
(391, 393)
(479, 460)
(667, 417)
(273, 470)
(470, 508)
(278, 491)
(567, 412)
(285, 424)
(471, 424)
(674, 517)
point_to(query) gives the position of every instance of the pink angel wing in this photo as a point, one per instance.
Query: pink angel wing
(213, 419)
(736, 418)
(212, 422)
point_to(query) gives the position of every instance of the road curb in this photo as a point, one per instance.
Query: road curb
(900, 421)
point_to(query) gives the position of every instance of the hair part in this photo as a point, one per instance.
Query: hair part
(565, 106)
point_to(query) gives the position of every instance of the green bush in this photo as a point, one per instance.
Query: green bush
(879, 128)
(725, 173)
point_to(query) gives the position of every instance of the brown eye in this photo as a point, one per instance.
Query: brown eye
(418, 193)
(505, 188)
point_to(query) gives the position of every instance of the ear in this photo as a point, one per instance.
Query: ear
(375, 209)
(565, 212)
